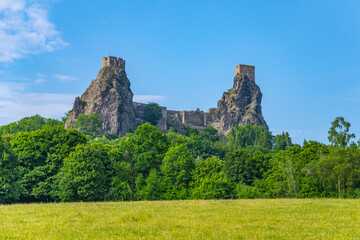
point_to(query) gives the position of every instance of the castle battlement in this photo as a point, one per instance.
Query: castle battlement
(246, 70)
(113, 62)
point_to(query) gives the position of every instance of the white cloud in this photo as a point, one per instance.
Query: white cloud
(65, 78)
(148, 98)
(25, 29)
(39, 80)
(16, 104)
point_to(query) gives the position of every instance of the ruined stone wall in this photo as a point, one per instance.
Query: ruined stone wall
(113, 62)
(139, 115)
(246, 70)
(195, 118)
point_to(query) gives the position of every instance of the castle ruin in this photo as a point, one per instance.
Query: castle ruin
(246, 70)
(110, 96)
(113, 62)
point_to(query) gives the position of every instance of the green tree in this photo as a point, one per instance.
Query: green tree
(40, 154)
(339, 132)
(339, 171)
(89, 124)
(249, 135)
(145, 148)
(152, 113)
(10, 186)
(155, 186)
(282, 141)
(176, 169)
(240, 167)
(85, 175)
(206, 143)
(122, 184)
(28, 124)
(209, 181)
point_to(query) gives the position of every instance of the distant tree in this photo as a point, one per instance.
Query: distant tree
(240, 167)
(339, 132)
(89, 124)
(65, 117)
(28, 124)
(176, 168)
(282, 141)
(85, 175)
(339, 170)
(40, 156)
(209, 181)
(10, 186)
(249, 135)
(155, 186)
(121, 177)
(152, 113)
(206, 143)
(145, 148)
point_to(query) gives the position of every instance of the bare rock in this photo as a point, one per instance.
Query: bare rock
(110, 96)
(240, 105)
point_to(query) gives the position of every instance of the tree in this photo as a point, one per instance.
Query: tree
(145, 148)
(176, 169)
(339, 170)
(209, 181)
(29, 124)
(89, 124)
(121, 177)
(152, 113)
(40, 154)
(249, 135)
(10, 186)
(85, 175)
(239, 168)
(282, 141)
(339, 132)
(206, 143)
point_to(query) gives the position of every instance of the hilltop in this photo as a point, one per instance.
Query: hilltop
(111, 97)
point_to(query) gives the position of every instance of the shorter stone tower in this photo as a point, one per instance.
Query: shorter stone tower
(113, 62)
(246, 70)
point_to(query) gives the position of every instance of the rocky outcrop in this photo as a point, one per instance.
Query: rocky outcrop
(240, 105)
(110, 96)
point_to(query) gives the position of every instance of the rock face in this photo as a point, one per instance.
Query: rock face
(110, 96)
(240, 105)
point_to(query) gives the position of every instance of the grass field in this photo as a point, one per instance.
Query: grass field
(209, 219)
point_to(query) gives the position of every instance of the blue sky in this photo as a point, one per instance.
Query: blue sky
(182, 54)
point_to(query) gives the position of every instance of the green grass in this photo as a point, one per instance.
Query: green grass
(233, 219)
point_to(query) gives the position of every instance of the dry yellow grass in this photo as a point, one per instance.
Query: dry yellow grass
(232, 219)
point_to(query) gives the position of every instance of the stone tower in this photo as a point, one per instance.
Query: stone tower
(246, 70)
(113, 62)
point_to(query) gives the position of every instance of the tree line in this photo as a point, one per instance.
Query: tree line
(40, 161)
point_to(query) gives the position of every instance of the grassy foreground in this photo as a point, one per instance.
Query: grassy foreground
(232, 219)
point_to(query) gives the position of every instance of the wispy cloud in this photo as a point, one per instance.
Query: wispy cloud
(65, 78)
(25, 29)
(39, 80)
(15, 103)
(149, 98)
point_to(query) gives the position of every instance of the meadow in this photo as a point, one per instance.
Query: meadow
(190, 219)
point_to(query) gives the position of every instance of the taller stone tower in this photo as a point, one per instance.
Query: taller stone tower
(110, 96)
(247, 70)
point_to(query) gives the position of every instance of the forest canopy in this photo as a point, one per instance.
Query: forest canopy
(40, 161)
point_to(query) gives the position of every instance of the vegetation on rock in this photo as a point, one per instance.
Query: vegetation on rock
(152, 113)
